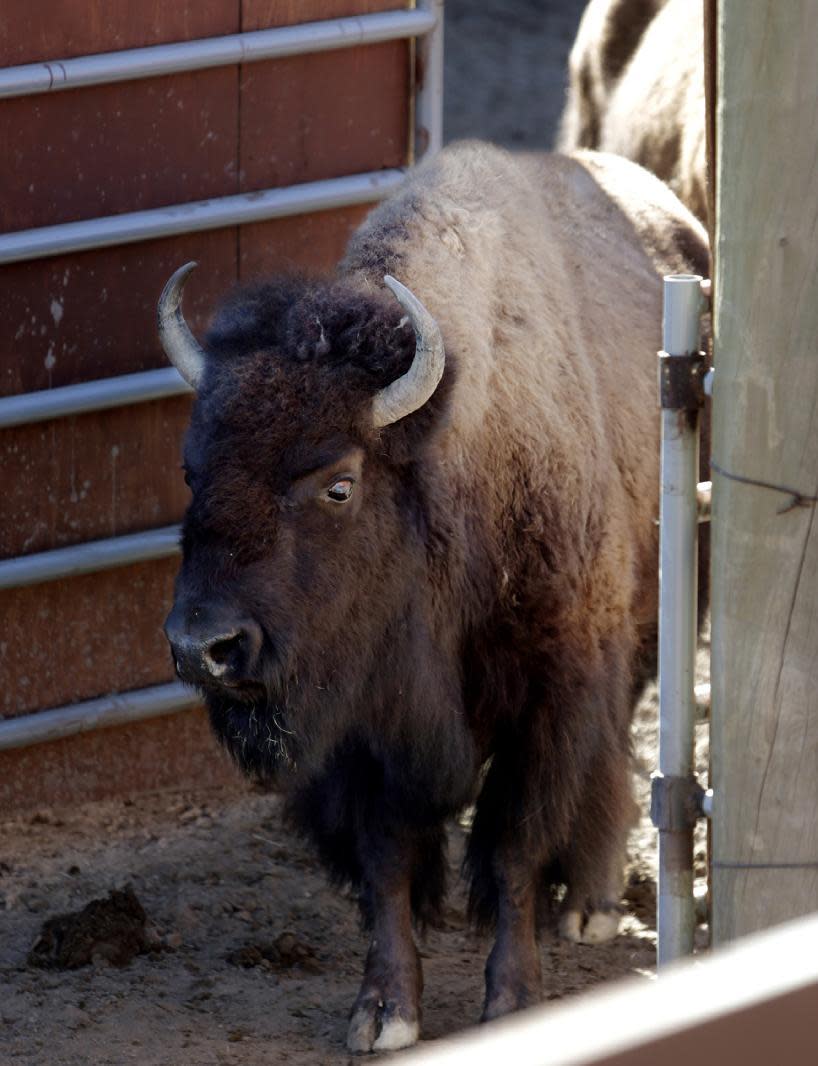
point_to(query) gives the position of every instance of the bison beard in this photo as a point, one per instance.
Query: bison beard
(253, 731)
(397, 614)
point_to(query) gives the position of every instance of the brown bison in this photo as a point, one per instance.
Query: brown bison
(420, 561)
(637, 89)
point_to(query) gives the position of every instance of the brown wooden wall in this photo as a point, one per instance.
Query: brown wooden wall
(105, 150)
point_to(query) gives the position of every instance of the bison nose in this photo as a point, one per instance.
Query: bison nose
(226, 653)
(222, 654)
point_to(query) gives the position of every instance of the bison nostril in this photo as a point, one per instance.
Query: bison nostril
(222, 653)
(225, 653)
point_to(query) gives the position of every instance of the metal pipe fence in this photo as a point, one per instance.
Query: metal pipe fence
(178, 219)
(161, 59)
(89, 557)
(425, 23)
(672, 805)
(99, 713)
(101, 395)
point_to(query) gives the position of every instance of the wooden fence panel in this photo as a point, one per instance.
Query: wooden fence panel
(67, 641)
(73, 318)
(158, 753)
(33, 32)
(102, 474)
(106, 150)
(308, 243)
(764, 719)
(322, 116)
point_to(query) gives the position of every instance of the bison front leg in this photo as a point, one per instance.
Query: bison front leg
(386, 1014)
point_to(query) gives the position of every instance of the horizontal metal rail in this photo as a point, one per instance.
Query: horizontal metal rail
(97, 395)
(151, 62)
(88, 558)
(164, 222)
(99, 713)
(199, 215)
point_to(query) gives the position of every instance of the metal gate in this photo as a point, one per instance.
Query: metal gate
(221, 132)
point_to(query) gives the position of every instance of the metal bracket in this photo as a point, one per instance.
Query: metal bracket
(681, 381)
(675, 802)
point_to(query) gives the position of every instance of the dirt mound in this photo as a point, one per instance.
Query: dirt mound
(111, 930)
(285, 953)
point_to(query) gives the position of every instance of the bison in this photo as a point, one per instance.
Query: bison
(636, 87)
(420, 560)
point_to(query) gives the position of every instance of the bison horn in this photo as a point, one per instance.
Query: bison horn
(181, 347)
(414, 388)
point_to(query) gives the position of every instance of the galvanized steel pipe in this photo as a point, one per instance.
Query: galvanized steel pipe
(87, 396)
(429, 74)
(197, 216)
(99, 713)
(88, 558)
(157, 60)
(677, 620)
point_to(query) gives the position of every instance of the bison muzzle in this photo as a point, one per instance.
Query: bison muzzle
(420, 560)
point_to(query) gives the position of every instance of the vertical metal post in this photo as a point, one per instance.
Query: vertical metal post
(429, 75)
(673, 786)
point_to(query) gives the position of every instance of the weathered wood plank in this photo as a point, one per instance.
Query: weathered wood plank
(324, 116)
(108, 149)
(168, 752)
(30, 33)
(765, 426)
(72, 640)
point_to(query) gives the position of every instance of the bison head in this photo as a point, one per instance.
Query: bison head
(305, 542)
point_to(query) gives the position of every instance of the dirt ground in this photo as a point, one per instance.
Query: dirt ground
(250, 957)
(223, 883)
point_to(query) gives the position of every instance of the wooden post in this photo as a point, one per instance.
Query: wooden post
(765, 427)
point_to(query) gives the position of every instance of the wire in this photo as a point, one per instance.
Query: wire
(797, 499)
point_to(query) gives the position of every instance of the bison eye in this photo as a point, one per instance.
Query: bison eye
(340, 490)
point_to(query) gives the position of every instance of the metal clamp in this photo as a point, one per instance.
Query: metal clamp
(681, 381)
(676, 803)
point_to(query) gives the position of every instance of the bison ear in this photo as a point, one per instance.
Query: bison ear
(411, 391)
(181, 347)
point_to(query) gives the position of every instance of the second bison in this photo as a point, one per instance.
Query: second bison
(420, 561)
(637, 89)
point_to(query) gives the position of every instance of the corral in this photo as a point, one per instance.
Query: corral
(246, 954)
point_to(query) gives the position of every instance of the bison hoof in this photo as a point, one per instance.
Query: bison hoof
(508, 1001)
(600, 926)
(376, 1026)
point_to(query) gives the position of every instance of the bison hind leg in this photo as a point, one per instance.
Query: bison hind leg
(595, 858)
(597, 927)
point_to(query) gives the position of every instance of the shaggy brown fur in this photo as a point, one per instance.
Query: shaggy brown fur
(470, 625)
(637, 89)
